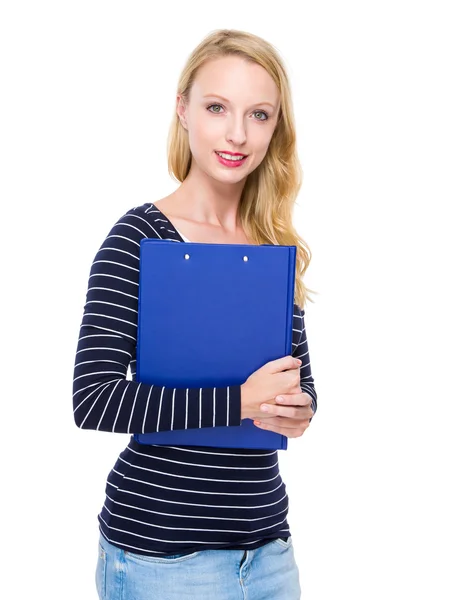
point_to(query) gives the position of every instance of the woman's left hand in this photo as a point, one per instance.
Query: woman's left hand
(290, 417)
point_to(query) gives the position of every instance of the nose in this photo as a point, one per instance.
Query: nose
(236, 131)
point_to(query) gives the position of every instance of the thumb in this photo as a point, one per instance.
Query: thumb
(283, 364)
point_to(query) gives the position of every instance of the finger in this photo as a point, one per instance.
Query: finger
(288, 432)
(291, 412)
(283, 364)
(281, 422)
(298, 399)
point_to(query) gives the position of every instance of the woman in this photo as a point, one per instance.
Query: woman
(199, 522)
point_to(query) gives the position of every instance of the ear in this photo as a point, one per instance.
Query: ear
(181, 110)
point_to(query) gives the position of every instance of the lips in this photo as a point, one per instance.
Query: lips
(230, 153)
(232, 163)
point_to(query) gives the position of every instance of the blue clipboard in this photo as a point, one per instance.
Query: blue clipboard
(209, 315)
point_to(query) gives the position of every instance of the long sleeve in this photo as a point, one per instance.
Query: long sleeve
(103, 398)
(301, 352)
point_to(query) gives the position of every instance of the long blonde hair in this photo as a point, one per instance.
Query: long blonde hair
(270, 191)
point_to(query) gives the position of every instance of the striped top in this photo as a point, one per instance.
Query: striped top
(185, 239)
(162, 500)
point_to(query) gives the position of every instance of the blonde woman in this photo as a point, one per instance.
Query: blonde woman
(196, 522)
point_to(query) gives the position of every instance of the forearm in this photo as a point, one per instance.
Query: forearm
(103, 399)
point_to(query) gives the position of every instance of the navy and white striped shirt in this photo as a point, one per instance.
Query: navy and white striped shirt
(162, 500)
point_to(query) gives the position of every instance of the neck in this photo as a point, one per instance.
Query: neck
(204, 200)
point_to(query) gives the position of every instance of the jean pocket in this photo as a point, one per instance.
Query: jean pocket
(100, 574)
(171, 558)
(283, 543)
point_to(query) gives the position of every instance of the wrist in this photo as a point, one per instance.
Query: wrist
(245, 412)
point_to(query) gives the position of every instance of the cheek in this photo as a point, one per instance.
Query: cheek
(261, 148)
(260, 138)
(204, 135)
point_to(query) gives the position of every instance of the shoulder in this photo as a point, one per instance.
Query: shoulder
(298, 312)
(119, 253)
(141, 221)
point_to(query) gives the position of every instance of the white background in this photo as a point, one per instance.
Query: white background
(377, 483)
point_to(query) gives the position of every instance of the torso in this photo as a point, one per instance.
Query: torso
(198, 232)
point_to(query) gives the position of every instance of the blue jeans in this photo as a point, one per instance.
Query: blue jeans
(266, 573)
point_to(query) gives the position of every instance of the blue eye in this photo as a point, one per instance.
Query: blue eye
(266, 116)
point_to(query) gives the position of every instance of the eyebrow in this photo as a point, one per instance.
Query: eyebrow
(225, 100)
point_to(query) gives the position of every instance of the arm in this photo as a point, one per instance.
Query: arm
(301, 352)
(284, 417)
(103, 399)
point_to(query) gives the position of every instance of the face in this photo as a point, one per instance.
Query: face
(233, 107)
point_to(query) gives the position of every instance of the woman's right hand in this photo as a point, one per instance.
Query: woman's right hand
(280, 376)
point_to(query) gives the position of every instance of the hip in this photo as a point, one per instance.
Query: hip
(268, 572)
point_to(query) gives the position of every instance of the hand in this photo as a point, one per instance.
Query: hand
(291, 417)
(277, 377)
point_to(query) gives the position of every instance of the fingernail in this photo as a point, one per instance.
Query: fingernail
(257, 423)
(298, 361)
(264, 407)
(280, 399)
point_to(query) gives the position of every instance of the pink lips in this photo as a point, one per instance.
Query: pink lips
(231, 163)
(231, 153)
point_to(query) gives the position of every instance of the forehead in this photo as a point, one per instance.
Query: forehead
(236, 79)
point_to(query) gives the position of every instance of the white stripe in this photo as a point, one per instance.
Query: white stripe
(204, 505)
(147, 223)
(180, 516)
(112, 330)
(199, 401)
(214, 407)
(161, 397)
(92, 335)
(158, 526)
(96, 373)
(138, 548)
(120, 405)
(104, 248)
(103, 389)
(146, 409)
(133, 408)
(217, 493)
(105, 408)
(122, 237)
(96, 386)
(112, 262)
(113, 290)
(204, 465)
(103, 348)
(173, 409)
(100, 360)
(113, 277)
(216, 480)
(111, 304)
(89, 314)
(133, 227)
(259, 453)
